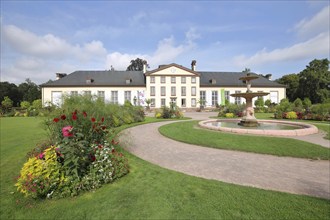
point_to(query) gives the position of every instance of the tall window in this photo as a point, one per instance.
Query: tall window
(152, 91)
(74, 93)
(162, 79)
(237, 99)
(202, 95)
(100, 95)
(227, 95)
(173, 91)
(152, 104)
(193, 79)
(152, 79)
(114, 97)
(193, 91)
(193, 102)
(173, 79)
(183, 79)
(274, 96)
(163, 91)
(183, 102)
(127, 96)
(183, 91)
(88, 93)
(214, 98)
(163, 102)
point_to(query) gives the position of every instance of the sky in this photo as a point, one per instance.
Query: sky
(41, 38)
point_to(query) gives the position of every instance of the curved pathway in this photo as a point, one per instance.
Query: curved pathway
(286, 174)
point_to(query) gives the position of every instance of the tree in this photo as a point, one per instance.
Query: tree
(29, 90)
(292, 84)
(10, 90)
(137, 65)
(7, 103)
(314, 81)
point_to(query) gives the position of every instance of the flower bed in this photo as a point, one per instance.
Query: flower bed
(78, 159)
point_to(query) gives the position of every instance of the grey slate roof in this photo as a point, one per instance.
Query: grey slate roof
(99, 78)
(231, 79)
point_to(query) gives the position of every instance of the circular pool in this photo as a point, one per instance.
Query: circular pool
(266, 127)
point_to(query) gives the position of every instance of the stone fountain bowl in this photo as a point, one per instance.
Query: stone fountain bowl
(298, 129)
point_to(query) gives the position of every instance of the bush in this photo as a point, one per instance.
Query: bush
(25, 104)
(229, 115)
(291, 115)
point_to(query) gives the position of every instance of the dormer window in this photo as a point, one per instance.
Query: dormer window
(89, 81)
(128, 81)
(213, 81)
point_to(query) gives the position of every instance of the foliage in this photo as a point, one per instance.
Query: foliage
(29, 90)
(7, 103)
(291, 115)
(229, 115)
(237, 110)
(37, 104)
(169, 112)
(298, 105)
(10, 90)
(292, 85)
(137, 65)
(41, 175)
(307, 103)
(25, 105)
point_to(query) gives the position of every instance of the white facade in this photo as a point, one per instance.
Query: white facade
(170, 83)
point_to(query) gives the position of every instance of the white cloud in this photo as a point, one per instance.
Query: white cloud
(315, 25)
(315, 47)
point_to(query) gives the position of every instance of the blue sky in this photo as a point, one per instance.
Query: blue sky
(40, 38)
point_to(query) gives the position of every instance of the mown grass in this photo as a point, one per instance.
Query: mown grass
(189, 132)
(147, 192)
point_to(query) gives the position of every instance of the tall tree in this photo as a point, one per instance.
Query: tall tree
(314, 81)
(10, 90)
(292, 84)
(29, 90)
(137, 65)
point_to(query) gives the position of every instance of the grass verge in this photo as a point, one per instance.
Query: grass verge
(147, 192)
(189, 132)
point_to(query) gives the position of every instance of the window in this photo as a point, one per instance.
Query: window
(152, 104)
(227, 95)
(193, 91)
(88, 93)
(183, 91)
(274, 96)
(114, 97)
(152, 79)
(202, 97)
(163, 102)
(100, 94)
(193, 102)
(74, 93)
(173, 91)
(214, 98)
(57, 98)
(162, 79)
(193, 80)
(173, 79)
(183, 79)
(237, 99)
(183, 102)
(163, 91)
(152, 91)
(127, 96)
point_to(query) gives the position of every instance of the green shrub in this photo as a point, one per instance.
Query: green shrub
(291, 115)
(25, 105)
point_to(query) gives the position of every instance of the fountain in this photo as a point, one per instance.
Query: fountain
(249, 124)
(249, 120)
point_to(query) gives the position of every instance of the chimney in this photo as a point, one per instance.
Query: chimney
(268, 76)
(193, 65)
(60, 75)
(144, 66)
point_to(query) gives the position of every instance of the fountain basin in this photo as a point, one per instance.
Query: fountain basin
(267, 127)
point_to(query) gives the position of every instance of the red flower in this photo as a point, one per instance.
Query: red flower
(74, 117)
(63, 117)
(103, 127)
(93, 158)
(66, 131)
(102, 119)
(100, 147)
(85, 114)
(93, 119)
(113, 150)
(114, 142)
(56, 120)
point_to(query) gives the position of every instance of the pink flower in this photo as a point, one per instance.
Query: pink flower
(66, 131)
(41, 155)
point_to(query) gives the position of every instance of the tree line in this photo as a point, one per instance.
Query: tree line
(313, 82)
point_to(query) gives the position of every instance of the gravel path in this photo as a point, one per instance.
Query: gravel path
(293, 175)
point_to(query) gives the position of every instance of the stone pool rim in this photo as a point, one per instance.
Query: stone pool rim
(306, 129)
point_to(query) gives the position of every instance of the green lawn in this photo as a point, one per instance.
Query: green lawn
(147, 192)
(189, 132)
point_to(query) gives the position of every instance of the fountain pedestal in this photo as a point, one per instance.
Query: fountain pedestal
(249, 120)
